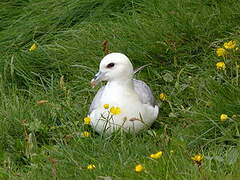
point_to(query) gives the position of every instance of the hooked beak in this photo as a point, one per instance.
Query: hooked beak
(97, 78)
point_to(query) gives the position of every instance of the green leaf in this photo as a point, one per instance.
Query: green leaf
(168, 77)
(152, 133)
(36, 125)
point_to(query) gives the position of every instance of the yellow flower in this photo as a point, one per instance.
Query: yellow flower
(221, 66)
(86, 134)
(139, 168)
(91, 166)
(106, 106)
(221, 52)
(33, 47)
(223, 117)
(156, 155)
(115, 110)
(230, 44)
(197, 158)
(163, 96)
(87, 120)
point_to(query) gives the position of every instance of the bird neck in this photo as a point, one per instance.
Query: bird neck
(121, 83)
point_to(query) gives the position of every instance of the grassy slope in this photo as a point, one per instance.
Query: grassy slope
(177, 37)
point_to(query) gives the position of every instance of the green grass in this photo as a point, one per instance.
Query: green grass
(178, 38)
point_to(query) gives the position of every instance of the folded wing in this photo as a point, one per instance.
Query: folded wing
(144, 92)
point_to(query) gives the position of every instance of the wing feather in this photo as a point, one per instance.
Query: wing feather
(144, 92)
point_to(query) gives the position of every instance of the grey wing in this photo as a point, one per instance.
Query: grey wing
(144, 92)
(96, 100)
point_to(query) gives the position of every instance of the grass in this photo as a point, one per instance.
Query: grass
(177, 38)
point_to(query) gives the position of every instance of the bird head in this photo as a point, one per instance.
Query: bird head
(114, 66)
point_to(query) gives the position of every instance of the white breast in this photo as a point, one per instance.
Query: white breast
(134, 115)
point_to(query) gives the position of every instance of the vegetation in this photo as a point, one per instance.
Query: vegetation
(45, 92)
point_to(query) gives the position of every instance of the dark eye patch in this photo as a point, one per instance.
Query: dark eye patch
(110, 65)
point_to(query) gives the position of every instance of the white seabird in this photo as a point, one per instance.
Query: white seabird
(132, 97)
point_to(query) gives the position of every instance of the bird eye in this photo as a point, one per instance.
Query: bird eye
(110, 65)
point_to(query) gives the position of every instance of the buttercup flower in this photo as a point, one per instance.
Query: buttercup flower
(87, 120)
(33, 47)
(91, 166)
(221, 52)
(198, 158)
(139, 168)
(230, 44)
(163, 96)
(221, 66)
(156, 155)
(223, 117)
(115, 110)
(106, 106)
(86, 134)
